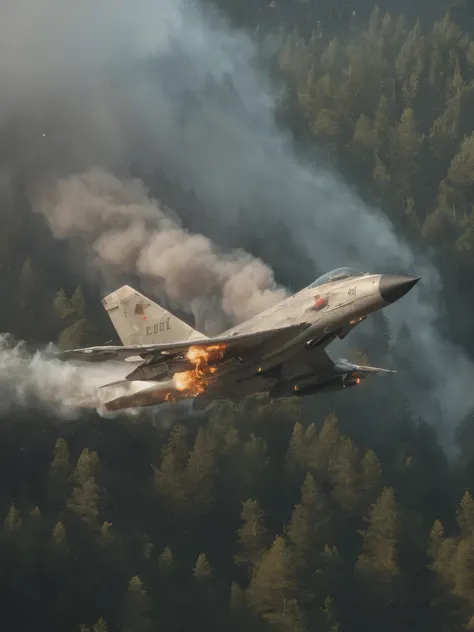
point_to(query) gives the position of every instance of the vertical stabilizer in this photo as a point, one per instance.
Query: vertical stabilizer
(138, 320)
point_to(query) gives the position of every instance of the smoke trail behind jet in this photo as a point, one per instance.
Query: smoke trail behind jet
(40, 379)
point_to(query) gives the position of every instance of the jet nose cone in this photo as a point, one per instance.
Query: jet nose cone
(393, 286)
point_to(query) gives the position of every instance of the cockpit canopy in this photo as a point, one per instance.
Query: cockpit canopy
(338, 274)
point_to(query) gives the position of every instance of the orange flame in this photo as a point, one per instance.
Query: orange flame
(195, 381)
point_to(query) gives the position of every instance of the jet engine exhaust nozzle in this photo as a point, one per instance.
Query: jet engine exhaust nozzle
(393, 287)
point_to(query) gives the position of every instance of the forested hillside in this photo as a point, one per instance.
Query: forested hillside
(337, 513)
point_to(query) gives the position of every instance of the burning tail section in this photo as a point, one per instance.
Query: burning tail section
(138, 320)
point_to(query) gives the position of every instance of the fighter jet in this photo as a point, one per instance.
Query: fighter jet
(281, 351)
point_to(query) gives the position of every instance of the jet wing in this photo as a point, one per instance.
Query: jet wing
(235, 345)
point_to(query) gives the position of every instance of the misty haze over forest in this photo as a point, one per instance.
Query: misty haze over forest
(219, 155)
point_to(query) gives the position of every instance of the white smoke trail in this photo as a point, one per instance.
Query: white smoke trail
(63, 389)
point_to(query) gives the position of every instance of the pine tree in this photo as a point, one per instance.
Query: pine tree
(404, 148)
(252, 535)
(35, 515)
(345, 476)
(311, 437)
(446, 34)
(463, 571)
(85, 494)
(137, 608)
(321, 450)
(295, 457)
(412, 83)
(202, 569)
(443, 553)
(378, 560)
(170, 475)
(444, 133)
(61, 305)
(440, 226)
(87, 467)
(382, 120)
(105, 536)
(331, 56)
(166, 561)
(375, 22)
(400, 32)
(436, 539)
(455, 193)
(13, 520)
(60, 465)
(84, 501)
(308, 528)
(72, 315)
(200, 471)
(370, 478)
(273, 587)
(77, 304)
(409, 54)
(461, 170)
(59, 539)
(387, 28)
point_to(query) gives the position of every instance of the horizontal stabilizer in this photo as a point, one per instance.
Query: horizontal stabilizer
(372, 369)
(124, 383)
(345, 365)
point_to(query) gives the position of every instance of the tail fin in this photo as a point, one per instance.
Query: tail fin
(137, 320)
